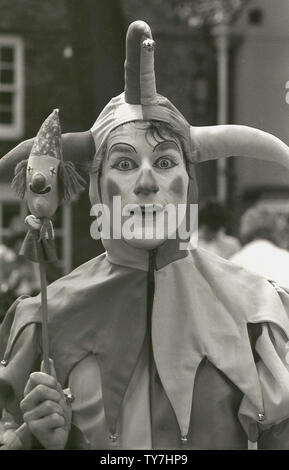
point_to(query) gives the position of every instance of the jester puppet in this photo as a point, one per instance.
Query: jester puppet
(161, 347)
(46, 179)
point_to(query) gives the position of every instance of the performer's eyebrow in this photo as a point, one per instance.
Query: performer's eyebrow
(166, 144)
(122, 147)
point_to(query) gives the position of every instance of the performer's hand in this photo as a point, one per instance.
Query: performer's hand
(45, 409)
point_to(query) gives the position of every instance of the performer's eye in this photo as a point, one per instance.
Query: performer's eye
(124, 164)
(29, 169)
(52, 170)
(164, 163)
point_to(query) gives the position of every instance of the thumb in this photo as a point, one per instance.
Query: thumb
(51, 370)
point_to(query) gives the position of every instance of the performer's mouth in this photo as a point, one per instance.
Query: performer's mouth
(42, 191)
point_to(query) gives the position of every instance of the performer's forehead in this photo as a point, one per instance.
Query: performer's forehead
(131, 132)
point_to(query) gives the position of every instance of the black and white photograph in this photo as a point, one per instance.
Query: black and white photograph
(144, 228)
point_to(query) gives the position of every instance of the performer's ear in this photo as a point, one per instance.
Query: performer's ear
(19, 180)
(70, 183)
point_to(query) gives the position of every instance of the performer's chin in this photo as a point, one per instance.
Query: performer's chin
(147, 234)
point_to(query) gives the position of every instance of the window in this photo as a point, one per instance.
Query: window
(11, 87)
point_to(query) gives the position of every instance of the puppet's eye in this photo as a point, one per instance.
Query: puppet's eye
(52, 170)
(29, 169)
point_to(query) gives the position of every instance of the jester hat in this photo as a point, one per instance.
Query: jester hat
(140, 101)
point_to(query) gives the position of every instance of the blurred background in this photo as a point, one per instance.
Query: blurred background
(218, 61)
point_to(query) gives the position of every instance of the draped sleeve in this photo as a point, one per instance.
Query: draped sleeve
(18, 359)
(270, 426)
(15, 367)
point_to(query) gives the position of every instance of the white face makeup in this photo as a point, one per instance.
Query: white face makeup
(144, 171)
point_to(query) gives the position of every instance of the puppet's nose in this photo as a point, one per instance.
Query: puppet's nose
(146, 183)
(38, 182)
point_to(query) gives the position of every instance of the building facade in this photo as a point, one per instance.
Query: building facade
(260, 91)
(53, 55)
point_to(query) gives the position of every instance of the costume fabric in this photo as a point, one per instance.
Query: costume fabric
(210, 372)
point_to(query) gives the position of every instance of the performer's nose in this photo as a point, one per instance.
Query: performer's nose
(146, 183)
(38, 182)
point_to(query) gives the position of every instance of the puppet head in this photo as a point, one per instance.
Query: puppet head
(45, 177)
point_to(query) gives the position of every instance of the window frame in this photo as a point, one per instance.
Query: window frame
(15, 130)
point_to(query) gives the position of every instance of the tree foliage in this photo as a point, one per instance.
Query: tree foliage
(194, 13)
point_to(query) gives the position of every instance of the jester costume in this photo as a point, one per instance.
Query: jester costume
(166, 348)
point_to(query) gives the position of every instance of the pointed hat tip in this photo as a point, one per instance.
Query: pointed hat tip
(48, 139)
(140, 85)
(139, 28)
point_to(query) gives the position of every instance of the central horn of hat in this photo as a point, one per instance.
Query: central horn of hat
(140, 83)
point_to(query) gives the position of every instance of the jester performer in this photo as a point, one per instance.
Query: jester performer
(161, 347)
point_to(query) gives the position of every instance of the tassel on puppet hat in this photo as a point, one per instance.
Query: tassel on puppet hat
(140, 101)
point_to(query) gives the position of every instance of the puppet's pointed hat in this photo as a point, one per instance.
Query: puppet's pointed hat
(48, 139)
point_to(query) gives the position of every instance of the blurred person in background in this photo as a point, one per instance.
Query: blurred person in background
(18, 276)
(7, 263)
(262, 235)
(213, 221)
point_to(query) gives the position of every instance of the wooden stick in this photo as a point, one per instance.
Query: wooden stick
(44, 311)
(23, 432)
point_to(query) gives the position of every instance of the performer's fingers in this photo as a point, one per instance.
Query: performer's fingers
(52, 373)
(37, 395)
(46, 408)
(39, 378)
(46, 424)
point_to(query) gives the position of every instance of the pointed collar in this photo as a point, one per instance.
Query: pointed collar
(202, 308)
(121, 253)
